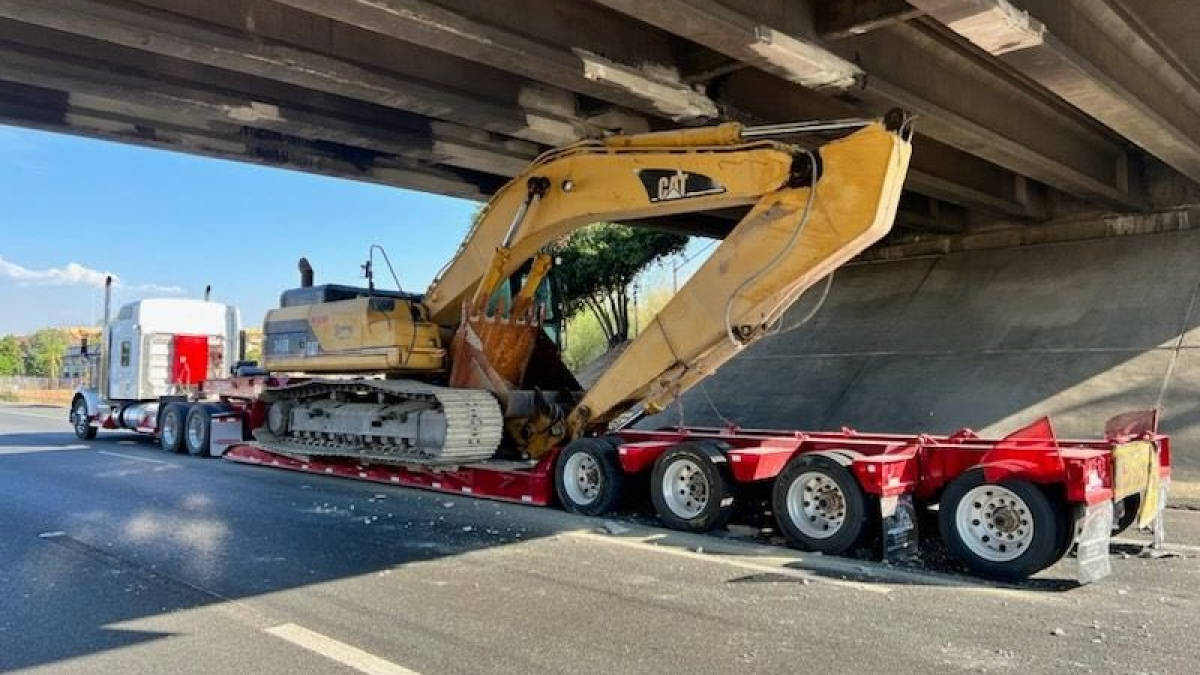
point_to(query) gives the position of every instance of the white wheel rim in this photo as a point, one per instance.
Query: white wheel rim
(170, 429)
(685, 489)
(195, 430)
(582, 479)
(816, 505)
(994, 523)
(80, 418)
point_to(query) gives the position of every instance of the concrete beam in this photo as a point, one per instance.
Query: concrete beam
(1091, 56)
(542, 114)
(645, 88)
(716, 26)
(937, 170)
(837, 19)
(961, 100)
(953, 176)
(128, 93)
(49, 110)
(968, 102)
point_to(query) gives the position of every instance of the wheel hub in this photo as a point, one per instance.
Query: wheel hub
(79, 417)
(816, 505)
(583, 480)
(685, 489)
(195, 430)
(170, 429)
(994, 523)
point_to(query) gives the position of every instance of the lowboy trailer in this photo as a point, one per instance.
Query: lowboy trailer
(1007, 507)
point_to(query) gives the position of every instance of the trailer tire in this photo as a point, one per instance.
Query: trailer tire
(198, 429)
(588, 478)
(819, 506)
(80, 421)
(1068, 523)
(1008, 530)
(1130, 506)
(171, 427)
(691, 487)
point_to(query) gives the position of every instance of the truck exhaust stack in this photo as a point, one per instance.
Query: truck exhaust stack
(306, 273)
(107, 299)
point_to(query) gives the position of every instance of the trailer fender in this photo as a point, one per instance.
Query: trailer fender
(1030, 470)
(843, 457)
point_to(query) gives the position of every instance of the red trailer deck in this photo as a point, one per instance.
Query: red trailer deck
(1008, 507)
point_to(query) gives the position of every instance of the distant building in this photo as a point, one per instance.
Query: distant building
(81, 362)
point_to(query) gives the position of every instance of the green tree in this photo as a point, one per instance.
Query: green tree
(11, 362)
(597, 265)
(46, 349)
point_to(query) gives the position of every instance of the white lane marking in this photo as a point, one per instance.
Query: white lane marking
(56, 416)
(721, 559)
(53, 535)
(133, 457)
(334, 650)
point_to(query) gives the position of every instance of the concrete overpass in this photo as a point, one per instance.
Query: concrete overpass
(1040, 121)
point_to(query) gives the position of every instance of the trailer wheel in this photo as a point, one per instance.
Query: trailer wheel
(691, 488)
(171, 427)
(819, 506)
(84, 430)
(1007, 530)
(587, 477)
(197, 429)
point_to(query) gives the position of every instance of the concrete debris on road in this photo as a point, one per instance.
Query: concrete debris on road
(614, 528)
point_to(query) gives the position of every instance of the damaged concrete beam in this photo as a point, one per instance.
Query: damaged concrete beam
(1092, 56)
(837, 19)
(959, 100)
(716, 26)
(177, 37)
(965, 102)
(651, 89)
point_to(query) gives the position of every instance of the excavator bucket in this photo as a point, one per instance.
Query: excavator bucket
(492, 351)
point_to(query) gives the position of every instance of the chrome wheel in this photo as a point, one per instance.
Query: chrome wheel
(170, 431)
(582, 478)
(685, 488)
(994, 523)
(79, 418)
(196, 431)
(816, 505)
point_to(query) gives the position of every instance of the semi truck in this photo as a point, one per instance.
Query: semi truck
(461, 389)
(155, 357)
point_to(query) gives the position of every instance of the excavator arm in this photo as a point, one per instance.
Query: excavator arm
(810, 211)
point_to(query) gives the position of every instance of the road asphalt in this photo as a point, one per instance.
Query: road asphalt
(118, 558)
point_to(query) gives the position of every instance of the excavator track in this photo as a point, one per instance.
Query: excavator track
(382, 421)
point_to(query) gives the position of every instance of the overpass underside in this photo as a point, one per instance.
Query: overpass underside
(1039, 122)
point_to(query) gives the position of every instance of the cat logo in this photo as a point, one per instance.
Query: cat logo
(665, 185)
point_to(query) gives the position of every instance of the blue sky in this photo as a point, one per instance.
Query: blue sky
(72, 209)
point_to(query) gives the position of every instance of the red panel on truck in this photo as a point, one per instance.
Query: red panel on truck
(189, 366)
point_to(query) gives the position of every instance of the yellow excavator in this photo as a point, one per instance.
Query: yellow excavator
(466, 371)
